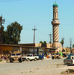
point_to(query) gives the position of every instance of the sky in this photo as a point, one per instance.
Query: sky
(39, 13)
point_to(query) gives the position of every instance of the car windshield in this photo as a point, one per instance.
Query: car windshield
(69, 57)
(18, 54)
(13, 54)
(29, 55)
(71, 53)
(36, 55)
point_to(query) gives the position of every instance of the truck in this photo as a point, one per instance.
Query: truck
(15, 56)
(70, 59)
(56, 56)
(30, 57)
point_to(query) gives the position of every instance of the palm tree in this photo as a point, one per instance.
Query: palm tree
(73, 45)
(62, 42)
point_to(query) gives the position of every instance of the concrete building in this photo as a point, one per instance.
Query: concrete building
(48, 47)
(55, 23)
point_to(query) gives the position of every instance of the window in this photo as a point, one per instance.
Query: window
(18, 54)
(13, 54)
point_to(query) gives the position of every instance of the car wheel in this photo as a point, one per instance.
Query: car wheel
(58, 57)
(41, 58)
(28, 59)
(20, 60)
(52, 57)
(68, 64)
(11, 61)
(35, 59)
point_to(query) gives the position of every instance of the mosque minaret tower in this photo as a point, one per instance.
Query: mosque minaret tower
(55, 23)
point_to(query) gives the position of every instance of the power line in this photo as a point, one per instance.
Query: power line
(42, 32)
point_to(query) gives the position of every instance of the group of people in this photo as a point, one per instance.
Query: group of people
(65, 55)
(3, 57)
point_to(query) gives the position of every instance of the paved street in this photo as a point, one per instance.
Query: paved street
(39, 67)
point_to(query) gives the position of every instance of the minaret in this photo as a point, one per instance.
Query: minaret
(55, 24)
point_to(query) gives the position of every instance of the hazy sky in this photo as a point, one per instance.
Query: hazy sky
(39, 13)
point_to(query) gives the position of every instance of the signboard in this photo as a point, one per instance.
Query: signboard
(5, 48)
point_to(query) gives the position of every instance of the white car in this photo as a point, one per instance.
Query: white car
(30, 57)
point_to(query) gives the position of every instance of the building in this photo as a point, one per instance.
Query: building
(55, 23)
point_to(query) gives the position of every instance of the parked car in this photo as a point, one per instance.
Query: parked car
(30, 57)
(23, 58)
(70, 59)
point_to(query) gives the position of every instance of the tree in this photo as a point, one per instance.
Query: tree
(62, 42)
(50, 42)
(5, 39)
(2, 31)
(13, 33)
(40, 42)
(73, 45)
(45, 42)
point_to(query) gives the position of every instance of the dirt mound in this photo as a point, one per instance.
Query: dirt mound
(69, 71)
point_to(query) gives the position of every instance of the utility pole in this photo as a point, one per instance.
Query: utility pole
(50, 37)
(34, 40)
(70, 45)
(50, 41)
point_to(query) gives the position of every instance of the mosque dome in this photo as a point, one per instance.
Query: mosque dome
(55, 4)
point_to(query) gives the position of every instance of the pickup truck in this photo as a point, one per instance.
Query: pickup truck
(30, 57)
(70, 59)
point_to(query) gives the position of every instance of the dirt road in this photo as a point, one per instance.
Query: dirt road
(40, 67)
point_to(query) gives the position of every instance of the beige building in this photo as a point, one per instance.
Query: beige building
(28, 48)
(48, 47)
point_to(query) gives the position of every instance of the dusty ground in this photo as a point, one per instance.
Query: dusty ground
(50, 68)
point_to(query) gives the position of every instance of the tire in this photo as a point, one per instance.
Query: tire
(41, 58)
(27, 59)
(68, 64)
(58, 57)
(20, 60)
(52, 57)
(35, 59)
(11, 61)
